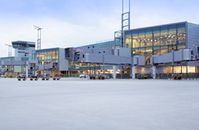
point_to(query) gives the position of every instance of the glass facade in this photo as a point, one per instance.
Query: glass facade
(156, 40)
(47, 56)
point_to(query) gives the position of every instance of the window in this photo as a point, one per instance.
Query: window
(136, 43)
(149, 39)
(128, 42)
(142, 39)
(181, 36)
(171, 37)
(157, 39)
(164, 50)
(198, 50)
(164, 37)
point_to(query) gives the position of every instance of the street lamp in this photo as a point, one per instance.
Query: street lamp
(172, 63)
(153, 67)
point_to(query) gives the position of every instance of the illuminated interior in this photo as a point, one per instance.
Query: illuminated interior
(179, 69)
(47, 56)
(156, 41)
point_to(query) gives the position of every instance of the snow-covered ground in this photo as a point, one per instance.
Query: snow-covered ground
(78, 104)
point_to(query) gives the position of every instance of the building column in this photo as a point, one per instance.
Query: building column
(154, 72)
(133, 72)
(114, 71)
(27, 66)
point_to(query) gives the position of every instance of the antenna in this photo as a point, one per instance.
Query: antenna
(38, 36)
(9, 50)
(125, 24)
(122, 6)
(129, 14)
(125, 21)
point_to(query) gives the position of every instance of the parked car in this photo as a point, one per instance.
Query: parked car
(33, 77)
(21, 77)
(56, 77)
(99, 76)
(83, 76)
(92, 76)
(177, 77)
(45, 77)
(144, 76)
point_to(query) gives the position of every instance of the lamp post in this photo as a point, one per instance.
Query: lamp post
(132, 67)
(153, 67)
(172, 63)
(103, 62)
(26, 63)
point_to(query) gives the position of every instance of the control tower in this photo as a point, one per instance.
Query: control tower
(24, 49)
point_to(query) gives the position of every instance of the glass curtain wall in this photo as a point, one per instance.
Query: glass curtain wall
(156, 40)
(47, 56)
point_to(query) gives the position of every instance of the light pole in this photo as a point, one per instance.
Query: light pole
(172, 63)
(103, 62)
(132, 67)
(153, 67)
(26, 63)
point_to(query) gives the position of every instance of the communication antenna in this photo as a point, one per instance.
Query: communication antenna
(125, 23)
(38, 36)
(9, 50)
(125, 20)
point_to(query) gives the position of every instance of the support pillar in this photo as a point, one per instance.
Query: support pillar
(27, 69)
(114, 71)
(133, 72)
(154, 72)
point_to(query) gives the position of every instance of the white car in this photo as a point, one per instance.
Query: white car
(82, 76)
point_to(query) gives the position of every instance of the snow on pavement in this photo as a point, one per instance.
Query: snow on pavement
(78, 104)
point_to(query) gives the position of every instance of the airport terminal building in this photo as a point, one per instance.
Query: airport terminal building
(152, 52)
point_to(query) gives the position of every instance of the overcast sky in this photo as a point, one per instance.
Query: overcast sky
(70, 23)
